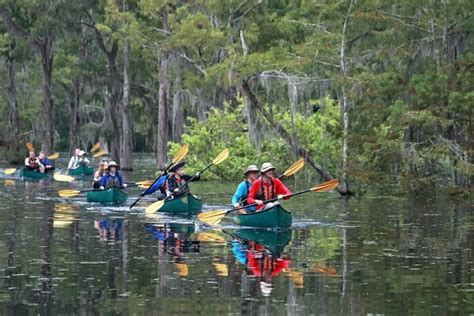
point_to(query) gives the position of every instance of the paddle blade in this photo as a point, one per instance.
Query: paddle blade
(30, 147)
(210, 237)
(212, 217)
(9, 171)
(181, 153)
(294, 168)
(68, 193)
(53, 156)
(95, 147)
(62, 177)
(99, 154)
(326, 186)
(182, 269)
(145, 183)
(221, 157)
(154, 207)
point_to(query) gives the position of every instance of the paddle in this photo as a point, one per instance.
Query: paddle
(154, 207)
(30, 147)
(182, 152)
(215, 217)
(99, 154)
(71, 193)
(53, 156)
(95, 147)
(9, 171)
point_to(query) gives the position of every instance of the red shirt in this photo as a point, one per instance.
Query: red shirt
(278, 188)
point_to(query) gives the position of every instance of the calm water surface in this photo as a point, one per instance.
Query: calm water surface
(375, 255)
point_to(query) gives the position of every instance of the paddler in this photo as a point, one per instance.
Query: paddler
(99, 173)
(32, 162)
(177, 180)
(242, 192)
(112, 178)
(45, 162)
(78, 159)
(267, 187)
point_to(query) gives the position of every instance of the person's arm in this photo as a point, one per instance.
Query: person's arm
(27, 162)
(38, 161)
(197, 177)
(238, 194)
(119, 176)
(253, 192)
(281, 189)
(156, 186)
(85, 160)
(96, 176)
(71, 163)
(47, 163)
(103, 182)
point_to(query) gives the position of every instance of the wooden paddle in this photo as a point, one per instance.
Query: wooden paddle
(99, 154)
(53, 156)
(182, 152)
(215, 217)
(95, 147)
(154, 207)
(9, 171)
(30, 147)
(71, 193)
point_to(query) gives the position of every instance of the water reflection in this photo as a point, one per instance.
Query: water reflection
(261, 252)
(109, 229)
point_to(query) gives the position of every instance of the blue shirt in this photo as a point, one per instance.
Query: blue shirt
(158, 185)
(105, 178)
(242, 193)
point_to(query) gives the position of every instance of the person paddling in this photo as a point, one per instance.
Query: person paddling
(267, 187)
(78, 159)
(177, 180)
(99, 173)
(242, 192)
(32, 163)
(45, 162)
(112, 178)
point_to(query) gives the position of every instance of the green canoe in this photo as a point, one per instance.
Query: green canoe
(187, 204)
(111, 195)
(273, 240)
(33, 174)
(274, 217)
(82, 170)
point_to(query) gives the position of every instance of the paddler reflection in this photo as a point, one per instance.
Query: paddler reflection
(174, 241)
(109, 229)
(261, 251)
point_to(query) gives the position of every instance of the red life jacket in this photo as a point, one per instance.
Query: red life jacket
(32, 162)
(266, 193)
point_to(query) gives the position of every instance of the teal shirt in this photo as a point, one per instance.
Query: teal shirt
(242, 193)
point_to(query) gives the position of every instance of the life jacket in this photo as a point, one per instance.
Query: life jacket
(180, 184)
(32, 162)
(265, 193)
(112, 181)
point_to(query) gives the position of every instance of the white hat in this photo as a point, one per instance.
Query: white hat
(251, 168)
(82, 152)
(266, 166)
(112, 164)
(266, 288)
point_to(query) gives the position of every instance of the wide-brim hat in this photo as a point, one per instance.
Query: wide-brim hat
(112, 164)
(251, 168)
(177, 165)
(266, 288)
(266, 166)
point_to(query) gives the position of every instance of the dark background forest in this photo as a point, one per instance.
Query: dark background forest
(374, 92)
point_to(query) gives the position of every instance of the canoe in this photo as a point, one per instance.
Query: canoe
(273, 240)
(82, 170)
(186, 204)
(273, 217)
(33, 174)
(112, 195)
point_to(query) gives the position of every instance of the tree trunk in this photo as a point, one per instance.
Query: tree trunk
(47, 55)
(162, 139)
(126, 150)
(13, 116)
(287, 137)
(74, 119)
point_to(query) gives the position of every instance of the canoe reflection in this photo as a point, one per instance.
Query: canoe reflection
(109, 229)
(174, 239)
(261, 251)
